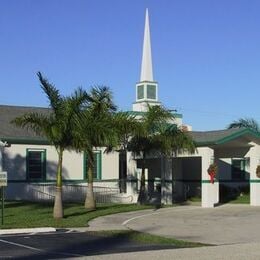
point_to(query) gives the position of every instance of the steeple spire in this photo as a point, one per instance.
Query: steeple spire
(147, 67)
(147, 88)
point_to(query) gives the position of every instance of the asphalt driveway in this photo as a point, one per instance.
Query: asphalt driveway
(228, 224)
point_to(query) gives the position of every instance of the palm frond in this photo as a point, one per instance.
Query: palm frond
(160, 134)
(245, 122)
(39, 123)
(101, 98)
(51, 92)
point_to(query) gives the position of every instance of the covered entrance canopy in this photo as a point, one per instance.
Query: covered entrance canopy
(224, 147)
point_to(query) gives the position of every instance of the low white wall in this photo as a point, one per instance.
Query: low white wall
(108, 193)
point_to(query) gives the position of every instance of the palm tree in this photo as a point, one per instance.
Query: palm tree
(95, 129)
(57, 126)
(250, 123)
(126, 125)
(158, 135)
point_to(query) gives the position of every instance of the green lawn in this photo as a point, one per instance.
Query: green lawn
(147, 238)
(243, 199)
(29, 214)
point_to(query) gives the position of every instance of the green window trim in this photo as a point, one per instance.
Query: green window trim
(98, 166)
(43, 164)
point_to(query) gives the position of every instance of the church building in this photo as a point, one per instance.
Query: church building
(30, 161)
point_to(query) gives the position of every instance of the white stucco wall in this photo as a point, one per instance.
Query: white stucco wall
(110, 165)
(15, 163)
(254, 155)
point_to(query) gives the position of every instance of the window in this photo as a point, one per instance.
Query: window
(140, 92)
(97, 171)
(238, 169)
(151, 91)
(35, 164)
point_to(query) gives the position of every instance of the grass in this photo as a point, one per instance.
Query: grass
(29, 214)
(146, 238)
(243, 199)
(195, 199)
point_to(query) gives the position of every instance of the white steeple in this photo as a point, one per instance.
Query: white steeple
(147, 66)
(147, 88)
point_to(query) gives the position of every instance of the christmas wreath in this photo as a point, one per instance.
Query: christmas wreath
(212, 171)
(258, 171)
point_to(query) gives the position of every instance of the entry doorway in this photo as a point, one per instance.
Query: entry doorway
(235, 189)
(186, 179)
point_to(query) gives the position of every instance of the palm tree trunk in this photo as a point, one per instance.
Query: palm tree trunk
(58, 207)
(90, 202)
(141, 196)
(122, 170)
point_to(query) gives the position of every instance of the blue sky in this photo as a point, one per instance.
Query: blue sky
(206, 53)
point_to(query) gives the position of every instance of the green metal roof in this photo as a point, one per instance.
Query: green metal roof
(140, 113)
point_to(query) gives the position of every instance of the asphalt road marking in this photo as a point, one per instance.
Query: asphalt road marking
(38, 249)
(20, 245)
(154, 213)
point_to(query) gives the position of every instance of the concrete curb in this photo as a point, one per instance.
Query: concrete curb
(26, 230)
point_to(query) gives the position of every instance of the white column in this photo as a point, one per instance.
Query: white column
(131, 182)
(210, 191)
(254, 156)
(1, 155)
(1, 158)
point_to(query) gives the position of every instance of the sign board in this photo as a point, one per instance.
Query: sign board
(3, 179)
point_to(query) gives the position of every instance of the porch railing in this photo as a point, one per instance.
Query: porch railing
(77, 193)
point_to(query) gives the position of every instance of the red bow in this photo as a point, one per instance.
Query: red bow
(212, 176)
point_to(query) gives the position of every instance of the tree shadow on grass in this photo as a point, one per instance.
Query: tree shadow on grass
(75, 214)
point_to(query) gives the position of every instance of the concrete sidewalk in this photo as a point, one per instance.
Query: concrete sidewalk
(26, 230)
(115, 221)
(228, 224)
(225, 252)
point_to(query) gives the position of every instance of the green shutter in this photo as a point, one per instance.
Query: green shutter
(97, 171)
(99, 165)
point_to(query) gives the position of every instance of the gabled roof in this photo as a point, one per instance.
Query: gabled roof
(222, 136)
(10, 133)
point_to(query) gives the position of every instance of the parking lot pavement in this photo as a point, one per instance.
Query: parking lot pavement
(75, 245)
(234, 227)
(67, 245)
(225, 252)
(228, 224)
